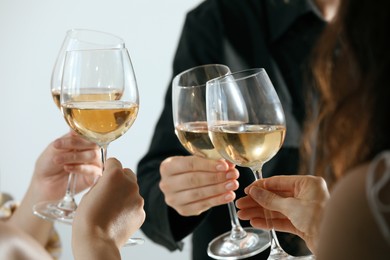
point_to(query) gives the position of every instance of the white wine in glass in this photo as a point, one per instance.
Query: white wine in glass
(247, 125)
(190, 121)
(99, 96)
(75, 39)
(189, 108)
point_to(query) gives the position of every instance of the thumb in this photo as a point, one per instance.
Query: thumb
(266, 199)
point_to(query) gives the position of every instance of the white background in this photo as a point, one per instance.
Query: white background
(31, 32)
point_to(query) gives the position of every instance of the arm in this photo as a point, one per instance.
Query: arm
(70, 152)
(16, 244)
(108, 214)
(294, 204)
(192, 50)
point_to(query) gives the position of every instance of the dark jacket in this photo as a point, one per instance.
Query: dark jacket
(273, 34)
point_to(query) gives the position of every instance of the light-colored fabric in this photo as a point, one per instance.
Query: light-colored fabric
(8, 206)
(378, 179)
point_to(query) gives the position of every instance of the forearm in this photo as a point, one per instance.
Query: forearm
(92, 247)
(25, 220)
(15, 244)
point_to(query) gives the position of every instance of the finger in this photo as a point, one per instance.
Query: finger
(246, 202)
(274, 202)
(192, 180)
(265, 198)
(248, 205)
(291, 186)
(182, 164)
(84, 169)
(231, 165)
(188, 196)
(250, 213)
(74, 142)
(118, 177)
(260, 223)
(197, 207)
(283, 225)
(130, 173)
(78, 157)
(259, 212)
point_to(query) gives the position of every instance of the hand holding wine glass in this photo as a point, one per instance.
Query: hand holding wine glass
(76, 39)
(247, 125)
(99, 96)
(190, 121)
(96, 209)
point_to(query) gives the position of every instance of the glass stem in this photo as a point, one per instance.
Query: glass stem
(237, 231)
(103, 150)
(71, 186)
(68, 202)
(276, 249)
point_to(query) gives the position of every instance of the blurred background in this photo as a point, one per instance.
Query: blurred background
(31, 33)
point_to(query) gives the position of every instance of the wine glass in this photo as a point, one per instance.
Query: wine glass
(79, 39)
(190, 121)
(99, 96)
(247, 126)
(75, 39)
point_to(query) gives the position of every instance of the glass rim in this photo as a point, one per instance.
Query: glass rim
(72, 30)
(102, 49)
(107, 39)
(176, 78)
(246, 73)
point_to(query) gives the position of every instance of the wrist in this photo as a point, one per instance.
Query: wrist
(93, 245)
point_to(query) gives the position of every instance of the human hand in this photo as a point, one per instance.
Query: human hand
(108, 214)
(192, 185)
(70, 153)
(294, 204)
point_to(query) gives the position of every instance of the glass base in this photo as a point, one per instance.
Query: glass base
(224, 247)
(52, 211)
(134, 241)
(290, 257)
(280, 254)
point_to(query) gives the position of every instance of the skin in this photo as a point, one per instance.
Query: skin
(328, 8)
(341, 230)
(97, 233)
(16, 244)
(192, 185)
(292, 204)
(301, 205)
(101, 229)
(70, 152)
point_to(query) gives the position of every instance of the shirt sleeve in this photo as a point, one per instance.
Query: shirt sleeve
(197, 45)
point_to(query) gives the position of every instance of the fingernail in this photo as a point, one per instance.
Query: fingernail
(229, 197)
(229, 186)
(255, 191)
(221, 167)
(230, 175)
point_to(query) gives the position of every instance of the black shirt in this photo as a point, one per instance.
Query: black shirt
(277, 35)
